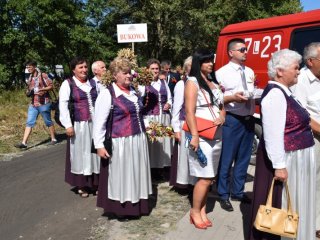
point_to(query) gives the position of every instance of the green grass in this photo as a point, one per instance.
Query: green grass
(13, 116)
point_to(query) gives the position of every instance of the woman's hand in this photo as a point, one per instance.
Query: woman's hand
(194, 143)
(219, 121)
(70, 132)
(103, 153)
(281, 174)
(177, 136)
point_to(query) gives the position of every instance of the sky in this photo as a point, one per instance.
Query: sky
(310, 4)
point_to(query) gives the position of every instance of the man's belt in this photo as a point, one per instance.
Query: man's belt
(246, 118)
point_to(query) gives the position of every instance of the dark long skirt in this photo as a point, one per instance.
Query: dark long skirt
(262, 183)
(111, 206)
(174, 168)
(79, 180)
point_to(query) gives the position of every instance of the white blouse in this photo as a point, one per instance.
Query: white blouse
(64, 96)
(178, 101)
(274, 108)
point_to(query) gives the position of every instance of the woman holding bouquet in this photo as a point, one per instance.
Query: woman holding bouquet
(157, 104)
(204, 99)
(125, 181)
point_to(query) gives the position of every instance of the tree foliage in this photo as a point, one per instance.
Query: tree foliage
(52, 32)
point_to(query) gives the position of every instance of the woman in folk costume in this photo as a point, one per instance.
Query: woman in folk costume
(125, 179)
(157, 104)
(179, 173)
(286, 150)
(82, 166)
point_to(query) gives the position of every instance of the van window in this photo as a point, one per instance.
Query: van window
(301, 37)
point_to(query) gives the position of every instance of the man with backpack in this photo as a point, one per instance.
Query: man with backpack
(39, 86)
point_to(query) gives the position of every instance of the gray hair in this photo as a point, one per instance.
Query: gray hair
(165, 62)
(282, 59)
(95, 65)
(310, 51)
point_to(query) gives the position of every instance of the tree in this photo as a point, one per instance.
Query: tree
(52, 32)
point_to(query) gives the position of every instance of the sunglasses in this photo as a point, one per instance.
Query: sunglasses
(242, 50)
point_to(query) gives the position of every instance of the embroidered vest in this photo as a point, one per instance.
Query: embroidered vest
(81, 101)
(297, 132)
(127, 116)
(153, 101)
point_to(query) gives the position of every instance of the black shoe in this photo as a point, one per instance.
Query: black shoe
(53, 142)
(226, 205)
(21, 145)
(243, 199)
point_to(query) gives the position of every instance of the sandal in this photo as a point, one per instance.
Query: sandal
(83, 193)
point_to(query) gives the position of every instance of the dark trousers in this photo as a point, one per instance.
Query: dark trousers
(237, 140)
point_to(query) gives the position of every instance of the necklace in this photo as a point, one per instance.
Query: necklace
(125, 89)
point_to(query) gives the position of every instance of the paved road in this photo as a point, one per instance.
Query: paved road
(36, 203)
(226, 225)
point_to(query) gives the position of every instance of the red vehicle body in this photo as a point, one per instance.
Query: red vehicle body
(265, 36)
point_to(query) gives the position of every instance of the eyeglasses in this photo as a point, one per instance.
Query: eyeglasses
(316, 58)
(242, 50)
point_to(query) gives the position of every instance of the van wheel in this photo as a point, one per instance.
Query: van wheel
(256, 140)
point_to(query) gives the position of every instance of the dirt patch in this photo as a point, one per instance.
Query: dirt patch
(170, 207)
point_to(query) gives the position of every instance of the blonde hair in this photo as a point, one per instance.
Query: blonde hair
(187, 63)
(119, 64)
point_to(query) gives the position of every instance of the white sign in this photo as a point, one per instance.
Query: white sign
(132, 33)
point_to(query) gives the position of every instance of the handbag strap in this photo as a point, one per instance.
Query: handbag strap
(269, 200)
(209, 104)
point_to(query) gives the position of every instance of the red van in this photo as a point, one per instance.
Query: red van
(265, 36)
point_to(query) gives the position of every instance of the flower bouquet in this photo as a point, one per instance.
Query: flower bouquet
(107, 79)
(157, 130)
(142, 76)
(128, 54)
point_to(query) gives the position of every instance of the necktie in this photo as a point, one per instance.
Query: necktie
(243, 78)
(245, 87)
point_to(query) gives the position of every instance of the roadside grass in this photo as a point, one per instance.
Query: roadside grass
(13, 116)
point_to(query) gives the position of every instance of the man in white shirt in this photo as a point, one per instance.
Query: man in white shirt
(238, 130)
(307, 91)
(98, 69)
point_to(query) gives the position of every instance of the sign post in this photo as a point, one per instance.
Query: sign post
(132, 33)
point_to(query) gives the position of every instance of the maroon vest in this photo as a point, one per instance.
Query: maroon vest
(127, 116)
(80, 100)
(297, 132)
(152, 100)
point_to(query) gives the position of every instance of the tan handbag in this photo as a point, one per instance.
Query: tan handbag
(277, 221)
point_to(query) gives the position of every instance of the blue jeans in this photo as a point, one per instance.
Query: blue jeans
(237, 135)
(33, 113)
